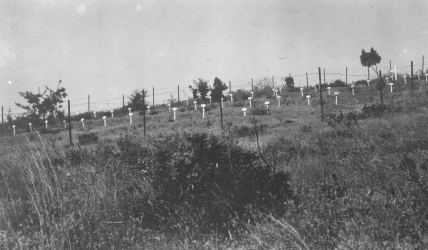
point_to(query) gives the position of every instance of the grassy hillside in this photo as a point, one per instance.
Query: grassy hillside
(317, 185)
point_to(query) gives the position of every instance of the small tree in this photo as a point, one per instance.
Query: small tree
(217, 90)
(44, 105)
(202, 86)
(370, 59)
(289, 82)
(136, 100)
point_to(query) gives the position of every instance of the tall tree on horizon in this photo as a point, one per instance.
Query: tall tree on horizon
(370, 59)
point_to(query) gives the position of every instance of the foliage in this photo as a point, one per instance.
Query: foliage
(217, 90)
(202, 87)
(263, 87)
(337, 83)
(45, 104)
(136, 100)
(203, 183)
(259, 110)
(370, 59)
(88, 138)
(289, 82)
(361, 83)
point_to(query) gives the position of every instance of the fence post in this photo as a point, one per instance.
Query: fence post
(144, 111)
(411, 66)
(221, 115)
(319, 73)
(69, 124)
(307, 82)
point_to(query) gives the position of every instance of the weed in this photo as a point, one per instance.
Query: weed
(88, 138)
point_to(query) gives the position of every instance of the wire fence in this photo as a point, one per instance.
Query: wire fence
(95, 103)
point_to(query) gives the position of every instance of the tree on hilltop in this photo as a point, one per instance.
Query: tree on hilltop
(217, 90)
(201, 85)
(370, 59)
(45, 104)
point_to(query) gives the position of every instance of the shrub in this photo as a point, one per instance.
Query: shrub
(258, 110)
(88, 138)
(247, 131)
(240, 95)
(361, 83)
(338, 83)
(374, 110)
(203, 184)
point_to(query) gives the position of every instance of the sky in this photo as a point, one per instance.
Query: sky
(107, 49)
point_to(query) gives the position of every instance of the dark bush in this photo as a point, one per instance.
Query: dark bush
(241, 95)
(246, 131)
(338, 83)
(88, 138)
(259, 110)
(361, 83)
(375, 110)
(202, 184)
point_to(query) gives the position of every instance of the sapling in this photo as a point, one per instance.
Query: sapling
(31, 129)
(336, 93)
(250, 98)
(309, 99)
(245, 111)
(278, 97)
(105, 122)
(83, 122)
(174, 110)
(203, 110)
(13, 126)
(194, 102)
(130, 118)
(329, 88)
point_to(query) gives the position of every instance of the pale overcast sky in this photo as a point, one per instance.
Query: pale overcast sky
(109, 48)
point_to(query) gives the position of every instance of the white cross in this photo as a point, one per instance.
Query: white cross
(395, 71)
